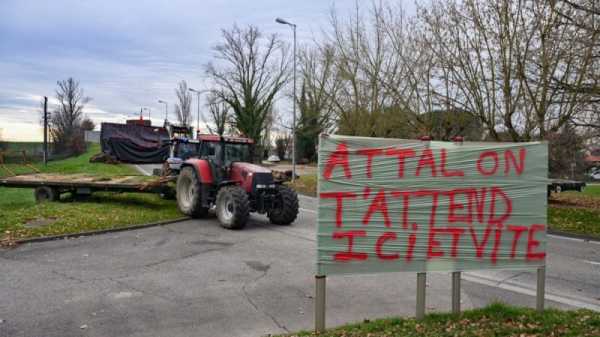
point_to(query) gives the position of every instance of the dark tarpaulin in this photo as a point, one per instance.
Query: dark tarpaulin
(136, 144)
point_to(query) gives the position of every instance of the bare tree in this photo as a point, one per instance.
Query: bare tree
(362, 56)
(65, 123)
(380, 72)
(584, 15)
(316, 100)
(250, 72)
(218, 114)
(183, 105)
(504, 61)
(282, 144)
(87, 124)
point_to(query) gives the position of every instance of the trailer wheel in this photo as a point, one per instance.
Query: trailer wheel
(233, 207)
(167, 193)
(189, 190)
(46, 193)
(287, 211)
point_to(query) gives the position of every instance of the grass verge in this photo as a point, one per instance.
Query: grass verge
(493, 320)
(23, 218)
(306, 184)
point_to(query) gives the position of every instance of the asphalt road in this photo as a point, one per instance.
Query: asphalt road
(195, 278)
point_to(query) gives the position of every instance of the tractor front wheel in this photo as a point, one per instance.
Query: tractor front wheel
(189, 194)
(287, 209)
(233, 207)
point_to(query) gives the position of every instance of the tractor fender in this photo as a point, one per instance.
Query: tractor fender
(202, 168)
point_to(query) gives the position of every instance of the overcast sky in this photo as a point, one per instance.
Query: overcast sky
(126, 54)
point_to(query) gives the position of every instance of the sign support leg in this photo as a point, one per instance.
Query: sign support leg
(456, 292)
(541, 288)
(421, 283)
(320, 303)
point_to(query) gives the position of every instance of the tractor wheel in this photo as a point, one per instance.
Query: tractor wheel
(45, 193)
(287, 211)
(189, 199)
(233, 207)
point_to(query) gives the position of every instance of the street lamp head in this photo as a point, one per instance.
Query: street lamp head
(161, 101)
(193, 90)
(284, 22)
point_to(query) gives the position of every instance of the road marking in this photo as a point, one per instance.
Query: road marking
(524, 289)
(307, 197)
(142, 170)
(592, 262)
(308, 210)
(573, 239)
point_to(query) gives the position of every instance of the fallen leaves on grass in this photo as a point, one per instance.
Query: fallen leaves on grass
(494, 320)
(574, 200)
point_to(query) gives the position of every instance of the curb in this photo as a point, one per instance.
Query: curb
(101, 231)
(574, 236)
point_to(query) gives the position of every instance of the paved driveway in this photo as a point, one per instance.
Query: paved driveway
(195, 278)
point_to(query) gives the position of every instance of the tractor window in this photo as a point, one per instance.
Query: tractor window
(187, 150)
(209, 149)
(236, 152)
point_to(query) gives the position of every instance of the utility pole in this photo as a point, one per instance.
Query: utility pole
(45, 130)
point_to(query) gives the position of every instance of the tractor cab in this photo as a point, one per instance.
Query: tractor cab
(224, 151)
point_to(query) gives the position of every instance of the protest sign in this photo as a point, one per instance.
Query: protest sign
(390, 205)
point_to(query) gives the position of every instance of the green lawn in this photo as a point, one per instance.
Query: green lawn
(100, 211)
(592, 190)
(306, 184)
(79, 164)
(494, 321)
(575, 220)
(576, 212)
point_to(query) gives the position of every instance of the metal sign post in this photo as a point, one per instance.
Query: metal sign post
(541, 288)
(45, 130)
(456, 292)
(320, 284)
(421, 285)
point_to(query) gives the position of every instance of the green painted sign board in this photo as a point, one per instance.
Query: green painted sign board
(391, 205)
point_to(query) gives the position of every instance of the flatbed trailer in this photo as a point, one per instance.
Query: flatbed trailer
(563, 185)
(49, 186)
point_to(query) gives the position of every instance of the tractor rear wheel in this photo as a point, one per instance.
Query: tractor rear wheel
(189, 194)
(287, 211)
(233, 207)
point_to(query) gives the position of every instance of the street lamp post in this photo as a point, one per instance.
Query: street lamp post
(166, 109)
(148, 109)
(198, 92)
(284, 22)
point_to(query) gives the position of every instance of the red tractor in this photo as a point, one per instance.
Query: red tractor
(217, 171)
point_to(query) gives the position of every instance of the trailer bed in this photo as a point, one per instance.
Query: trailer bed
(85, 181)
